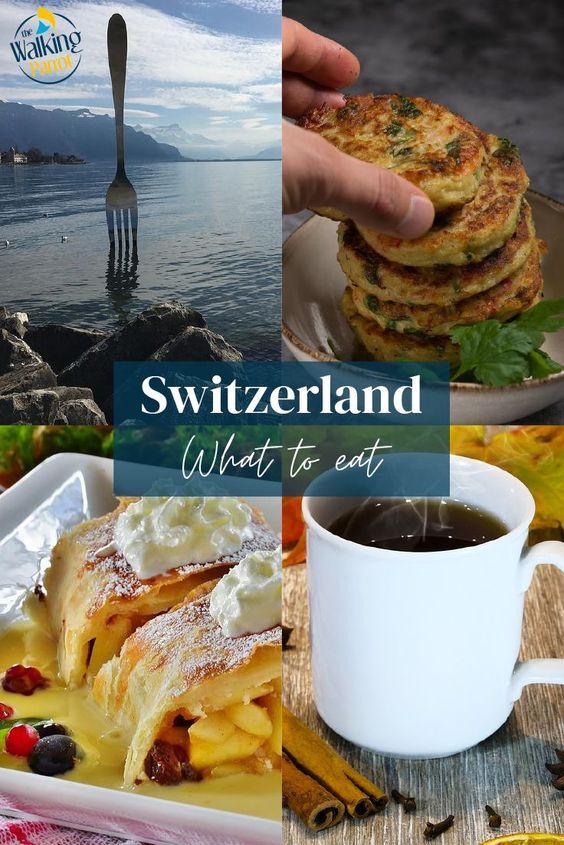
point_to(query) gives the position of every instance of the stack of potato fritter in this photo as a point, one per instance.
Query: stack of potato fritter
(480, 260)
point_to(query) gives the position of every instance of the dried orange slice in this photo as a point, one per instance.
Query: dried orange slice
(528, 839)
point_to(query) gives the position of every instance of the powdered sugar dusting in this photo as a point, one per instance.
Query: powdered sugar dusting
(210, 653)
(116, 580)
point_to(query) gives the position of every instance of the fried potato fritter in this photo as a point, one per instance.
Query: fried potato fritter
(440, 152)
(514, 294)
(383, 345)
(432, 285)
(472, 232)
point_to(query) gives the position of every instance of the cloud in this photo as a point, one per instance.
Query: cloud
(162, 49)
(270, 92)
(173, 64)
(31, 93)
(270, 7)
(254, 124)
(130, 114)
(213, 98)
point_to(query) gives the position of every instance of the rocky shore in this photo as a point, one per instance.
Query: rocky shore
(61, 374)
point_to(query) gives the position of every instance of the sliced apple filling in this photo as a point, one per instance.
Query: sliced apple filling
(102, 648)
(245, 737)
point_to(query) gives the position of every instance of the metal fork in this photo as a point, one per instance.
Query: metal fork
(121, 198)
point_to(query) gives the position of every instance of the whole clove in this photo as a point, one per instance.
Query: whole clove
(494, 819)
(558, 783)
(286, 634)
(555, 768)
(408, 803)
(433, 830)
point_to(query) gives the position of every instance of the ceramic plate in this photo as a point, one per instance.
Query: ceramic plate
(55, 496)
(314, 283)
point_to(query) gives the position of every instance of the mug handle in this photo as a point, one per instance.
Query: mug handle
(539, 671)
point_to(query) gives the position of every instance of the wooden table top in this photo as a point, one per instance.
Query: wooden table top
(506, 771)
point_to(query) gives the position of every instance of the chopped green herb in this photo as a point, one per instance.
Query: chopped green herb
(453, 149)
(542, 365)
(401, 151)
(393, 128)
(498, 354)
(468, 256)
(372, 276)
(391, 324)
(333, 348)
(373, 303)
(546, 316)
(406, 107)
(506, 150)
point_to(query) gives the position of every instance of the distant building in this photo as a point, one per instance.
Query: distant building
(13, 157)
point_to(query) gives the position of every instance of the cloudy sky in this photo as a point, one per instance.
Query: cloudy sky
(212, 66)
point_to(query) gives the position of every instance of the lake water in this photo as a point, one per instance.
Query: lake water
(209, 237)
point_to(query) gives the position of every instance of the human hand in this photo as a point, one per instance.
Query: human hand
(316, 173)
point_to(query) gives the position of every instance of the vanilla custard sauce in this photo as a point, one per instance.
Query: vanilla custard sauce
(104, 745)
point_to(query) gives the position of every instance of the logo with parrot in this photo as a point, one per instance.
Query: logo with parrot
(47, 47)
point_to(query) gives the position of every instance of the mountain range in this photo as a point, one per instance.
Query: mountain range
(197, 146)
(82, 133)
(78, 132)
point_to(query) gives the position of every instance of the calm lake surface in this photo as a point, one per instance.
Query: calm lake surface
(209, 237)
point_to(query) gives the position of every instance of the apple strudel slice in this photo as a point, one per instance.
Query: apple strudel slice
(195, 702)
(95, 598)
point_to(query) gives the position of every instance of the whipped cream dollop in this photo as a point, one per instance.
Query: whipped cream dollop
(159, 533)
(249, 598)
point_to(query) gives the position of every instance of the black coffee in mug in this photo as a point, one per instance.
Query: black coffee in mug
(417, 525)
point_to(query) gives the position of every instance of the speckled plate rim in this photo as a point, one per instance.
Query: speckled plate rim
(291, 244)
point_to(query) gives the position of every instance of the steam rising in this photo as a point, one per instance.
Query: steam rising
(418, 524)
(411, 519)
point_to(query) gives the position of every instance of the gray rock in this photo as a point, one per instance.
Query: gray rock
(196, 344)
(16, 323)
(136, 341)
(48, 407)
(14, 352)
(27, 377)
(82, 412)
(60, 345)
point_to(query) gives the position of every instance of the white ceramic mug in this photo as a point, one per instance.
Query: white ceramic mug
(416, 654)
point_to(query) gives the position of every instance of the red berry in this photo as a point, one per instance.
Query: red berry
(21, 740)
(23, 679)
(6, 712)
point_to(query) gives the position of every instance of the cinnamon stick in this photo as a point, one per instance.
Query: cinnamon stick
(315, 806)
(317, 759)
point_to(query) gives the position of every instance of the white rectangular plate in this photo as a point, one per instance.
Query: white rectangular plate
(58, 494)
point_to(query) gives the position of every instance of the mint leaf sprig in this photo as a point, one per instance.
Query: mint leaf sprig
(498, 354)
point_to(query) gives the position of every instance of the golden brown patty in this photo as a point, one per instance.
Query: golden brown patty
(511, 296)
(432, 285)
(422, 141)
(385, 345)
(474, 231)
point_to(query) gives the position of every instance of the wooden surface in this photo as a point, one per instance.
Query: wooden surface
(506, 771)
